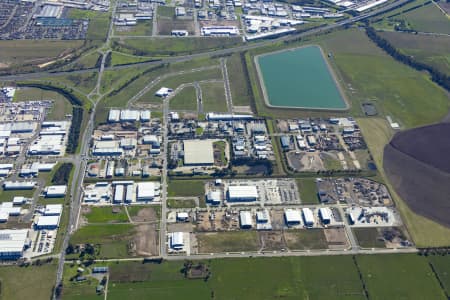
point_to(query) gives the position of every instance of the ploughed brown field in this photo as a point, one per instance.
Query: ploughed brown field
(417, 162)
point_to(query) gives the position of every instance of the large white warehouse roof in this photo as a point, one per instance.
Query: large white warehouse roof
(242, 192)
(12, 242)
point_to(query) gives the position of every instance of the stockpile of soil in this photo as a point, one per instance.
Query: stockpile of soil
(417, 163)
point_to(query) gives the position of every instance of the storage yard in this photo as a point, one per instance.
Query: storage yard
(320, 145)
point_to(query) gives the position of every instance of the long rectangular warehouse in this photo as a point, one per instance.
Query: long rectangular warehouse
(13, 242)
(118, 194)
(242, 193)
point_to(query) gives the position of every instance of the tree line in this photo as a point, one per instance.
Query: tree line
(437, 76)
(75, 127)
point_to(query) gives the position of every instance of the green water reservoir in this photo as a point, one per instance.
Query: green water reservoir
(299, 78)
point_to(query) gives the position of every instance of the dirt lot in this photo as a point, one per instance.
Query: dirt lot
(336, 238)
(306, 239)
(165, 26)
(183, 227)
(305, 161)
(418, 165)
(146, 214)
(272, 240)
(218, 220)
(146, 241)
(277, 218)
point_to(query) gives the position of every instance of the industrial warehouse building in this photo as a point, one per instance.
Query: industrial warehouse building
(13, 242)
(47, 222)
(214, 197)
(325, 215)
(239, 193)
(176, 240)
(145, 191)
(55, 191)
(308, 217)
(292, 217)
(245, 218)
(198, 152)
(19, 185)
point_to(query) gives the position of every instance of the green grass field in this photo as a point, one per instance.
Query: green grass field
(176, 203)
(134, 210)
(236, 241)
(171, 46)
(142, 28)
(84, 83)
(370, 74)
(308, 190)
(428, 18)
(27, 282)
(98, 23)
(112, 238)
(186, 99)
(186, 188)
(189, 76)
(213, 97)
(441, 265)
(327, 277)
(166, 11)
(123, 59)
(106, 215)
(240, 90)
(368, 237)
(73, 290)
(87, 61)
(424, 232)
(18, 52)
(428, 49)
(406, 276)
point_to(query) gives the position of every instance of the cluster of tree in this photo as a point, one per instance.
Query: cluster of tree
(436, 75)
(107, 59)
(62, 174)
(74, 133)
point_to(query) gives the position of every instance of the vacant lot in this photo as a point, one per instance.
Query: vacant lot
(165, 26)
(308, 190)
(114, 239)
(306, 239)
(213, 97)
(39, 282)
(140, 213)
(172, 46)
(240, 89)
(142, 28)
(218, 242)
(177, 203)
(107, 214)
(185, 188)
(368, 237)
(429, 49)
(406, 276)
(186, 99)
